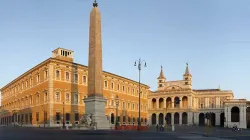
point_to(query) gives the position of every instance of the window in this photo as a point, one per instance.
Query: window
(112, 102)
(112, 86)
(57, 74)
(123, 88)
(201, 105)
(160, 81)
(160, 85)
(67, 97)
(22, 85)
(128, 105)
(76, 98)
(37, 98)
(67, 116)
(133, 91)
(76, 78)
(37, 78)
(105, 84)
(31, 81)
(133, 106)
(67, 76)
(76, 116)
(46, 74)
(123, 105)
(128, 90)
(118, 87)
(186, 78)
(57, 116)
(212, 105)
(45, 116)
(26, 85)
(84, 79)
(37, 116)
(45, 96)
(57, 96)
(186, 83)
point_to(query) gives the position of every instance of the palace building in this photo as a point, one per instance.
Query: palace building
(56, 88)
(176, 102)
(54, 92)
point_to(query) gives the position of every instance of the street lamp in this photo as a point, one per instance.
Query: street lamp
(63, 117)
(139, 68)
(117, 104)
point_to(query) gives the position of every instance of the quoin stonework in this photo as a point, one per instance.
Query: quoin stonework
(59, 91)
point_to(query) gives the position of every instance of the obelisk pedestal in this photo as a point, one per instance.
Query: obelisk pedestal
(95, 103)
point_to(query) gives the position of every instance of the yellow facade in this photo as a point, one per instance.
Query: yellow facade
(58, 86)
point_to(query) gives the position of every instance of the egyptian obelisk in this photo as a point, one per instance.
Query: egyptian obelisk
(95, 103)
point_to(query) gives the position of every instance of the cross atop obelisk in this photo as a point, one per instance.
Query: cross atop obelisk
(95, 53)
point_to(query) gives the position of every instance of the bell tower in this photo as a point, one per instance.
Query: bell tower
(161, 80)
(187, 78)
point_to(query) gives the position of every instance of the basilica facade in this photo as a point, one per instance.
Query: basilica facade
(176, 102)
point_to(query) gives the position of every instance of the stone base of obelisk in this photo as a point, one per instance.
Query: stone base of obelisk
(95, 105)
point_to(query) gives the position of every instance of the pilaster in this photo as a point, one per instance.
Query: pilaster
(50, 94)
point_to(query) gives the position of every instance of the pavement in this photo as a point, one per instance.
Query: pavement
(181, 133)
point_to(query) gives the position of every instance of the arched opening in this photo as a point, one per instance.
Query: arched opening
(213, 119)
(176, 118)
(235, 114)
(161, 103)
(222, 116)
(168, 118)
(134, 120)
(168, 103)
(185, 102)
(154, 103)
(145, 120)
(176, 102)
(160, 119)
(112, 118)
(153, 119)
(184, 118)
(201, 119)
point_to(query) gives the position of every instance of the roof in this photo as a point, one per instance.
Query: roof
(205, 90)
(49, 59)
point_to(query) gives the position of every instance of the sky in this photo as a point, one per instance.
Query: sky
(213, 36)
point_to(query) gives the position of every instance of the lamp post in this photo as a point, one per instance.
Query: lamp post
(139, 68)
(63, 117)
(117, 104)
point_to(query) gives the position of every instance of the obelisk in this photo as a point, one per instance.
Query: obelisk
(95, 103)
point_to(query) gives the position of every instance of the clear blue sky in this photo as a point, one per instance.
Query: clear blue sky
(212, 35)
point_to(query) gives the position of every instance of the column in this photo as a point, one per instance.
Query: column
(189, 101)
(172, 118)
(180, 118)
(164, 121)
(172, 99)
(217, 118)
(190, 118)
(180, 101)
(157, 118)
